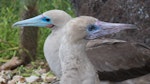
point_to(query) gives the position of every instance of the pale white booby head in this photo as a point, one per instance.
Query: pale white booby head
(86, 27)
(50, 19)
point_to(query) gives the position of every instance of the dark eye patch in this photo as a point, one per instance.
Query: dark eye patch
(92, 28)
(46, 19)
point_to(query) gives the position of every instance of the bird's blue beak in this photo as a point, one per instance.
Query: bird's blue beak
(100, 29)
(38, 21)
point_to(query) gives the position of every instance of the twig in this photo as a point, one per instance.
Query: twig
(9, 49)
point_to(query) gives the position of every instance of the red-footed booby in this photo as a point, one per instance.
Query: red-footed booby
(120, 59)
(76, 67)
(54, 19)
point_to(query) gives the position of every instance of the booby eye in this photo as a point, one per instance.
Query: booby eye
(46, 19)
(92, 28)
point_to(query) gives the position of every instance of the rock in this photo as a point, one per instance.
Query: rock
(40, 71)
(2, 80)
(32, 79)
(123, 11)
(17, 79)
(47, 78)
(5, 75)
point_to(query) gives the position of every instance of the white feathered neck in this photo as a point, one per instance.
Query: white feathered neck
(76, 67)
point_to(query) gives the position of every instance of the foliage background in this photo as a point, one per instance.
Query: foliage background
(10, 11)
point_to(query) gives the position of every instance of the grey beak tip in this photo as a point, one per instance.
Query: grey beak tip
(13, 25)
(132, 26)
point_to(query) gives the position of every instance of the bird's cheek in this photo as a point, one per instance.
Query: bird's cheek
(50, 26)
(90, 37)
